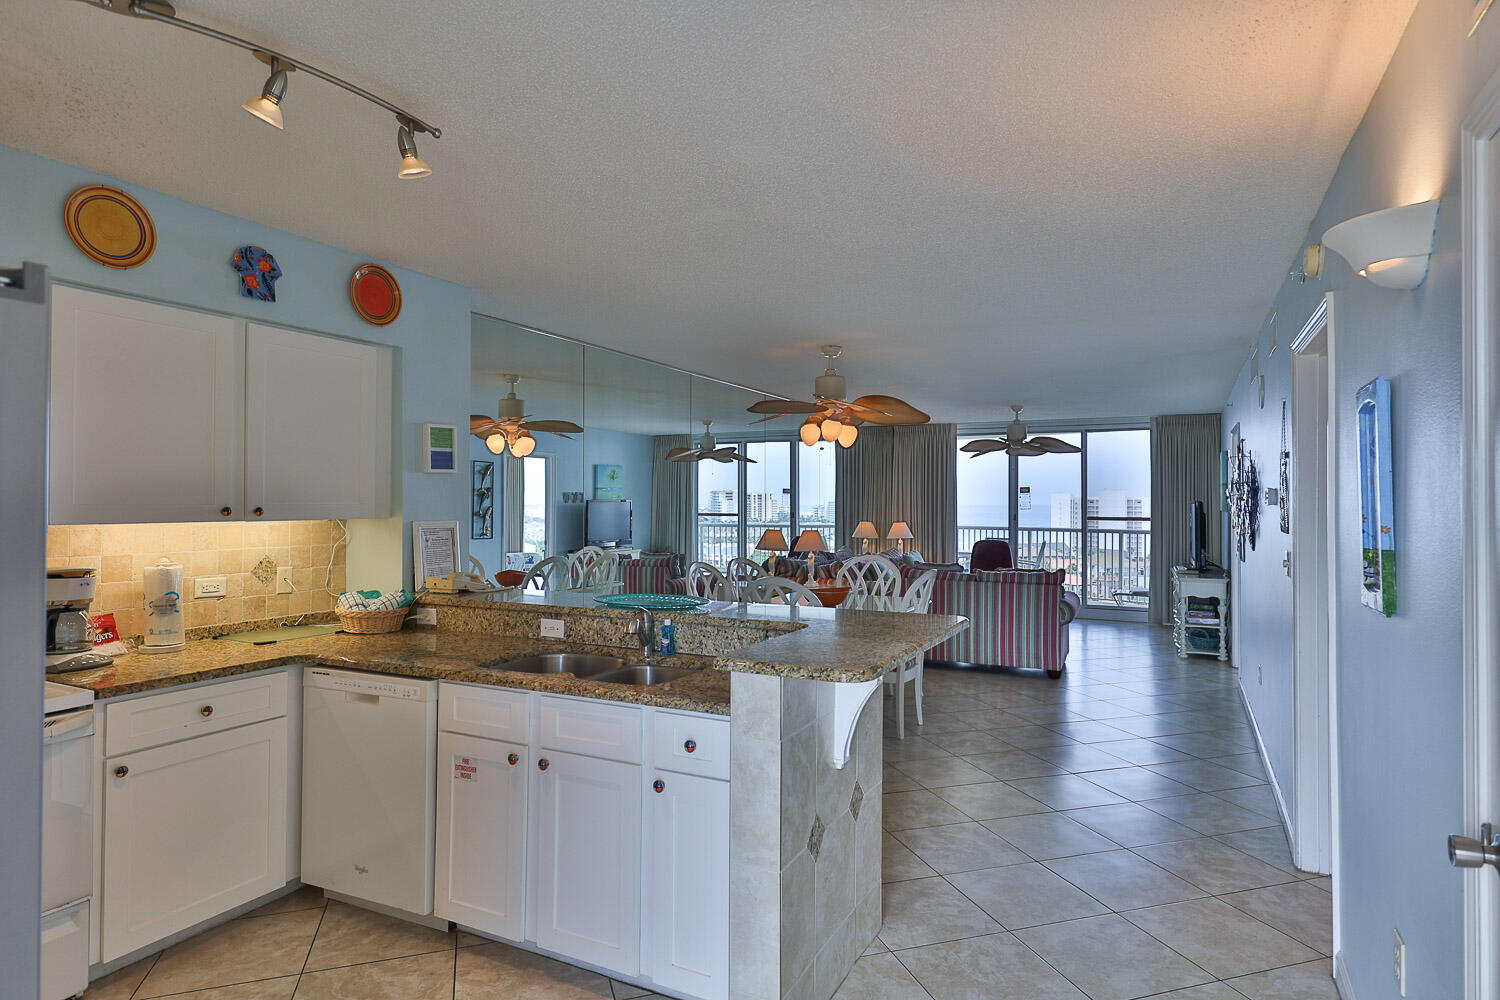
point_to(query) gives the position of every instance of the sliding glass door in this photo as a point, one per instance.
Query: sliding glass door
(789, 488)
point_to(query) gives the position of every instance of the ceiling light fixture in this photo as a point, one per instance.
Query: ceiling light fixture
(1391, 247)
(267, 107)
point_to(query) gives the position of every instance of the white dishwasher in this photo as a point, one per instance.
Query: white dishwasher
(369, 786)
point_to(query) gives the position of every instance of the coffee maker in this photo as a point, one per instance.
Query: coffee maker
(69, 593)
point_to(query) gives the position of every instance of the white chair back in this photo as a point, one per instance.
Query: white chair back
(549, 574)
(704, 580)
(581, 564)
(870, 576)
(918, 597)
(779, 590)
(741, 572)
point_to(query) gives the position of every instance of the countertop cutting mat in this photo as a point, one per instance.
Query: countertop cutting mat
(266, 636)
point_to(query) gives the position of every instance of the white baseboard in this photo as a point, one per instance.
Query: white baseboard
(1265, 760)
(1341, 980)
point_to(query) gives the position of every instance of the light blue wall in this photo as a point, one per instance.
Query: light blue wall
(191, 268)
(1400, 681)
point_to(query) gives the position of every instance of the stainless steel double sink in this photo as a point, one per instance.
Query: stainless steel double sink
(590, 666)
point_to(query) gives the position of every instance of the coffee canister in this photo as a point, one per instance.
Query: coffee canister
(163, 626)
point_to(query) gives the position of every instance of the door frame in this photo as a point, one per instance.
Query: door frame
(1481, 629)
(1314, 511)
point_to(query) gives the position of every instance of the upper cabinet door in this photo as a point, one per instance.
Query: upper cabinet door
(318, 427)
(146, 413)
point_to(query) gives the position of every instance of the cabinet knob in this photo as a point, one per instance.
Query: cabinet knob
(206, 711)
(259, 512)
(543, 764)
(690, 746)
(225, 511)
(121, 771)
(658, 786)
(513, 759)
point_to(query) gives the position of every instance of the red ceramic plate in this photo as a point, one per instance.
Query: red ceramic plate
(375, 294)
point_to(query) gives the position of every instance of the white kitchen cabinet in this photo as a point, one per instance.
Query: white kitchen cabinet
(317, 426)
(686, 875)
(481, 834)
(588, 855)
(192, 829)
(146, 412)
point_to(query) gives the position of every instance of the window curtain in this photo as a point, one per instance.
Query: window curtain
(1184, 467)
(901, 474)
(513, 500)
(674, 499)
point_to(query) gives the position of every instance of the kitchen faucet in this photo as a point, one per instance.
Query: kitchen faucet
(645, 626)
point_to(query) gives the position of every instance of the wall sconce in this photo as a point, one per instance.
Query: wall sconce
(1390, 247)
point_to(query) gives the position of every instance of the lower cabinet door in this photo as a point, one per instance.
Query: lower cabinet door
(588, 898)
(687, 884)
(481, 834)
(191, 829)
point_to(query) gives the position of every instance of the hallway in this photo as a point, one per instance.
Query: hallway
(1109, 836)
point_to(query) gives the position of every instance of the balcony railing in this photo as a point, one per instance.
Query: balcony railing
(719, 537)
(1118, 559)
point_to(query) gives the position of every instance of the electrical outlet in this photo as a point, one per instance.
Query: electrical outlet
(210, 586)
(552, 628)
(422, 616)
(284, 580)
(1398, 960)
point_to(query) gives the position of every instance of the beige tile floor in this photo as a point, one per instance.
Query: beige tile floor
(1109, 836)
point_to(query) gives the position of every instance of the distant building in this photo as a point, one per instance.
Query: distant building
(1065, 510)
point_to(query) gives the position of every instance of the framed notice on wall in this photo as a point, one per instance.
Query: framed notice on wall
(434, 549)
(439, 448)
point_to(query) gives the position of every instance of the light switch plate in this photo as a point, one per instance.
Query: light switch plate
(210, 586)
(552, 628)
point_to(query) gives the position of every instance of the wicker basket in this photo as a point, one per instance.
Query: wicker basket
(373, 622)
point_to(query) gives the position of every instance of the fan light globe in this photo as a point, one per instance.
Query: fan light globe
(848, 434)
(809, 434)
(525, 445)
(831, 429)
(495, 443)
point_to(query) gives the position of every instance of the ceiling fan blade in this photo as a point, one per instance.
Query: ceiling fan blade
(983, 446)
(743, 458)
(783, 406)
(482, 425)
(897, 411)
(554, 426)
(774, 416)
(1055, 445)
(1025, 448)
(681, 454)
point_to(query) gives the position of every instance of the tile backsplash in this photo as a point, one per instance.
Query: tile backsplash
(121, 551)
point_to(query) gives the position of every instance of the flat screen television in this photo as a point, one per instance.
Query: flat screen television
(1197, 528)
(606, 522)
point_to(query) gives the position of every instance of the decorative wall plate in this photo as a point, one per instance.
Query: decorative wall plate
(375, 294)
(109, 226)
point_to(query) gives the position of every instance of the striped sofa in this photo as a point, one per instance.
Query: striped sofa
(1017, 618)
(654, 573)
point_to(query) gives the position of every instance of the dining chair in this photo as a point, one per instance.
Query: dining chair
(916, 600)
(582, 563)
(779, 590)
(704, 580)
(742, 571)
(549, 574)
(871, 576)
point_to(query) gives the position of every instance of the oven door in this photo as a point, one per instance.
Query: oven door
(67, 808)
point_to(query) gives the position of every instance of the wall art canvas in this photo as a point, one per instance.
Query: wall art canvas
(609, 482)
(1372, 406)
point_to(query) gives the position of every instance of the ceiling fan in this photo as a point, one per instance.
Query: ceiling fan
(514, 426)
(707, 449)
(832, 417)
(1016, 442)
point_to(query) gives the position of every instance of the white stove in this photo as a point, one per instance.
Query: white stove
(61, 697)
(67, 839)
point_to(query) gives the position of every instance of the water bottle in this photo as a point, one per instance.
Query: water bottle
(668, 638)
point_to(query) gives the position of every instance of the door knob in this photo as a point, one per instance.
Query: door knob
(225, 511)
(1466, 853)
(260, 512)
(206, 711)
(543, 764)
(658, 786)
(690, 746)
(512, 759)
(121, 771)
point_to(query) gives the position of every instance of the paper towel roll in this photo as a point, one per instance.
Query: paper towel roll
(163, 590)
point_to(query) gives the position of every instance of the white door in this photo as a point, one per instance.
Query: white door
(191, 829)
(317, 426)
(481, 834)
(589, 860)
(146, 412)
(687, 884)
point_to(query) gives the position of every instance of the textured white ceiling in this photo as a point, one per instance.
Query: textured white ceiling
(1082, 207)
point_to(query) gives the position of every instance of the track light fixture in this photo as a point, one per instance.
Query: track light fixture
(267, 107)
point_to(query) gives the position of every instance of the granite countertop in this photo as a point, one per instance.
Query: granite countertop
(412, 652)
(826, 644)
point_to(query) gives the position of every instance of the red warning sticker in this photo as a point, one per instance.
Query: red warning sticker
(464, 769)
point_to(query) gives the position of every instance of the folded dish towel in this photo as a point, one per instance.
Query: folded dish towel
(374, 600)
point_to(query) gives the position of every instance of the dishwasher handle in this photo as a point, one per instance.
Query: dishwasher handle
(74, 725)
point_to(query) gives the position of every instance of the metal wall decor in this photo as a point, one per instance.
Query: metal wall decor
(1284, 501)
(1372, 408)
(482, 504)
(1244, 498)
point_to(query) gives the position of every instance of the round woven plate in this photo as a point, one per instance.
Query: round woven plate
(652, 602)
(375, 294)
(109, 226)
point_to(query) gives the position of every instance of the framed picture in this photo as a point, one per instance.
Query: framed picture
(439, 448)
(434, 550)
(1377, 535)
(482, 502)
(609, 482)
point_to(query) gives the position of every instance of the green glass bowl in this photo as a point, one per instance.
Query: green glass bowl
(653, 602)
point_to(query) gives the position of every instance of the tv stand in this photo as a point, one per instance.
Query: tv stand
(1198, 585)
